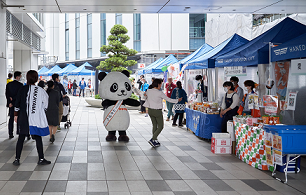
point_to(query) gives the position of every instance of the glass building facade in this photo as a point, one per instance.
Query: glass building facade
(77, 36)
(196, 30)
(89, 35)
(137, 32)
(103, 30)
(66, 37)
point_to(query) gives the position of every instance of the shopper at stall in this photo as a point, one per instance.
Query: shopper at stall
(9, 78)
(238, 89)
(229, 105)
(59, 87)
(52, 110)
(179, 108)
(144, 87)
(30, 108)
(82, 86)
(74, 87)
(140, 81)
(201, 88)
(170, 86)
(69, 86)
(154, 104)
(249, 88)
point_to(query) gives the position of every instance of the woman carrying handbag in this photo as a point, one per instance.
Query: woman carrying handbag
(179, 108)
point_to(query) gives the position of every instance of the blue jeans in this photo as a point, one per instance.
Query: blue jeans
(74, 92)
(169, 107)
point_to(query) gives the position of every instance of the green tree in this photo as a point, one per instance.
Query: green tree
(117, 51)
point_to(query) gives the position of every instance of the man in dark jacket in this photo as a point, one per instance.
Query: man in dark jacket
(60, 88)
(11, 92)
(74, 87)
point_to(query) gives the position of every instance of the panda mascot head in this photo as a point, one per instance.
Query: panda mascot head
(115, 85)
(116, 89)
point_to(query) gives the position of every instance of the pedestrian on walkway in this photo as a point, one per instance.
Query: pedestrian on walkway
(11, 92)
(82, 86)
(52, 110)
(74, 87)
(59, 87)
(144, 87)
(169, 88)
(69, 86)
(179, 108)
(154, 104)
(30, 106)
(9, 78)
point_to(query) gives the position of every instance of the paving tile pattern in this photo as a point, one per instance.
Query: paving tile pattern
(84, 163)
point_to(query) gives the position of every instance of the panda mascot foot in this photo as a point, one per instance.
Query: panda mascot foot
(123, 138)
(111, 138)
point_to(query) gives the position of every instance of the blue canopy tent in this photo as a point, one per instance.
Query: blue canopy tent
(142, 71)
(50, 72)
(42, 70)
(67, 69)
(295, 48)
(257, 50)
(199, 52)
(157, 67)
(208, 60)
(82, 70)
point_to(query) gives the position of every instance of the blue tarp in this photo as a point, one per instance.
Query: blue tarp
(50, 72)
(208, 60)
(157, 67)
(295, 48)
(142, 71)
(67, 69)
(42, 70)
(257, 50)
(82, 70)
(199, 52)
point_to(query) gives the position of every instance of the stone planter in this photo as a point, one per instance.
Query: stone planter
(97, 104)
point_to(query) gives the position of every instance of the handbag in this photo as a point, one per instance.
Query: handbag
(177, 106)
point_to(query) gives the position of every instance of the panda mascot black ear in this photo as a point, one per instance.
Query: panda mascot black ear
(101, 75)
(127, 73)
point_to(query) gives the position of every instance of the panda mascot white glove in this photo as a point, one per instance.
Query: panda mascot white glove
(116, 89)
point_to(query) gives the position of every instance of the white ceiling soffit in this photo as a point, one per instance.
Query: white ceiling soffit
(159, 6)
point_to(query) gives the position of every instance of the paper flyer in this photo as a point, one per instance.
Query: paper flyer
(268, 139)
(291, 101)
(269, 155)
(270, 102)
(251, 101)
(278, 157)
(277, 142)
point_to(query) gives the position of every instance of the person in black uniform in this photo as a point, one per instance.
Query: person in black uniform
(60, 88)
(201, 86)
(11, 92)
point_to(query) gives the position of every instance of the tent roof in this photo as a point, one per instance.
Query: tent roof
(67, 69)
(43, 70)
(295, 48)
(257, 50)
(201, 51)
(142, 71)
(50, 72)
(81, 70)
(208, 60)
(157, 67)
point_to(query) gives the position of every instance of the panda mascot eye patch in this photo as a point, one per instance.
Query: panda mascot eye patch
(127, 86)
(114, 87)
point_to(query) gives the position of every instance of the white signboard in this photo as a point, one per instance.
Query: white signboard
(291, 101)
(235, 71)
(298, 67)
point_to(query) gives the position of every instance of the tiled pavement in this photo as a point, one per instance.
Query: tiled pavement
(84, 163)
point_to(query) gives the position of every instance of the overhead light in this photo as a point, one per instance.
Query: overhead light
(135, 9)
(234, 10)
(283, 10)
(42, 9)
(84, 9)
(24, 9)
(186, 8)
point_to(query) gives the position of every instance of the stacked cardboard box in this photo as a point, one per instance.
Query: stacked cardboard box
(221, 143)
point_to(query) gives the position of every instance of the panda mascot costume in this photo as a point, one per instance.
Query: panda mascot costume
(116, 89)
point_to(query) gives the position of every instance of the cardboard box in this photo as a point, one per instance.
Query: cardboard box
(221, 142)
(231, 130)
(221, 135)
(251, 121)
(221, 149)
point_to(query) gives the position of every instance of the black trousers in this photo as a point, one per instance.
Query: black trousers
(142, 109)
(39, 145)
(11, 121)
(81, 92)
(180, 116)
(69, 91)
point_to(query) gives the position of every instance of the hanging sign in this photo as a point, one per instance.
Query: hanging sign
(235, 71)
(281, 78)
(278, 157)
(298, 67)
(270, 102)
(141, 65)
(291, 101)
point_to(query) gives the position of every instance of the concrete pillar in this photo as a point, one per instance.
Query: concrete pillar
(24, 61)
(3, 68)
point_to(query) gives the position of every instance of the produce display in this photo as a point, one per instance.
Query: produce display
(205, 107)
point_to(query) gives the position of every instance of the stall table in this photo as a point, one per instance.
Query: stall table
(203, 124)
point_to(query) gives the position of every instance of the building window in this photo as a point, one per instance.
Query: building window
(119, 19)
(66, 37)
(89, 35)
(103, 30)
(196, 30)
(77, 36)
(137, 32)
